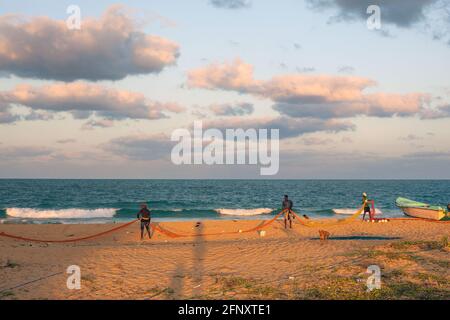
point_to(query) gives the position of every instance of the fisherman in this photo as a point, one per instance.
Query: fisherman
(287, 205)
(366, 203)
(144, 215)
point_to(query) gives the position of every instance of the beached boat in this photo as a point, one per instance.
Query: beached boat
(420, 210)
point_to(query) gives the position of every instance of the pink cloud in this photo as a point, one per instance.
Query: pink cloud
(402, 104)
(110, 47)
(236, 75)
(312, 88)
(303, 95)
(85, 99)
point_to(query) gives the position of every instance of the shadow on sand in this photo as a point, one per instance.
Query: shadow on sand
(197, 272)
(359, 238)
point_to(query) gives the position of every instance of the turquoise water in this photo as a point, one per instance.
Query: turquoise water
(72, 201)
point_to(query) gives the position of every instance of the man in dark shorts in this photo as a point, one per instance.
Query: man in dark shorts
(287, 205)
(365, 202)
(145, 216)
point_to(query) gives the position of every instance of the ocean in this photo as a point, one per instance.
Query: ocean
(102, 201)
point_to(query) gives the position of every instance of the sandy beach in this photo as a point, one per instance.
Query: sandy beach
(284, 264)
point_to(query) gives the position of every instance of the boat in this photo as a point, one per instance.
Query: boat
(352, 211)
(420, 210)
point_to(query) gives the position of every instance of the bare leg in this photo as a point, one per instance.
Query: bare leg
(364, 215)
(148, 231)
(286, 218)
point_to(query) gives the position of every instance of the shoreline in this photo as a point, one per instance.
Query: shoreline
(220, 217)
(401, 225)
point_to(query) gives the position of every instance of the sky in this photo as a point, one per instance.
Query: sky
(102, 101)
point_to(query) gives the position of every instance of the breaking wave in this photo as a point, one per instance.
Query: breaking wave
(244, 212)
(352, 211)
(60, 214)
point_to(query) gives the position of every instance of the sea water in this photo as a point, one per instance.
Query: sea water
(102, 201)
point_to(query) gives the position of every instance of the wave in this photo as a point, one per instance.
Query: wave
(244, 212)
(352, 211)
(60, 214)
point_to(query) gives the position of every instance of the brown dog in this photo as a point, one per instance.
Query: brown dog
(324, 235)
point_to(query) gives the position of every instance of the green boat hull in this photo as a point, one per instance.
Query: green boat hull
(420, 210)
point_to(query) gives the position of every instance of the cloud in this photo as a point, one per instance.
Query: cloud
(442, 111)
(25, 152)
(333, 164)
(346, 69)
(410, 137)
(143, 148)
(86, 99)
(199, 113)
(239, 109)
(101, 123)
(301, 88)
(38, 115)
(347, 140)
(376, 105)
(109, 48)
(428, 154)
(304, 95)
(236, 75)
(6, 116)
(288, 127)
(231, 4)
(314, 141)
(305, 69)
(397, 12)
(430, 16)
(65, 141)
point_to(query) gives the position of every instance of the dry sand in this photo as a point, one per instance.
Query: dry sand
(284, 264)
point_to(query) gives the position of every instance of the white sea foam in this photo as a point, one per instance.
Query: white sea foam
(352, 211)
(60, 214)
(244, 212)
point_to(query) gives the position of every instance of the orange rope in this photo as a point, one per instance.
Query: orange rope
(172, 234)
(312, 224)
(4, 234)
(154, 226)
(306, 224)
(178, 235)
